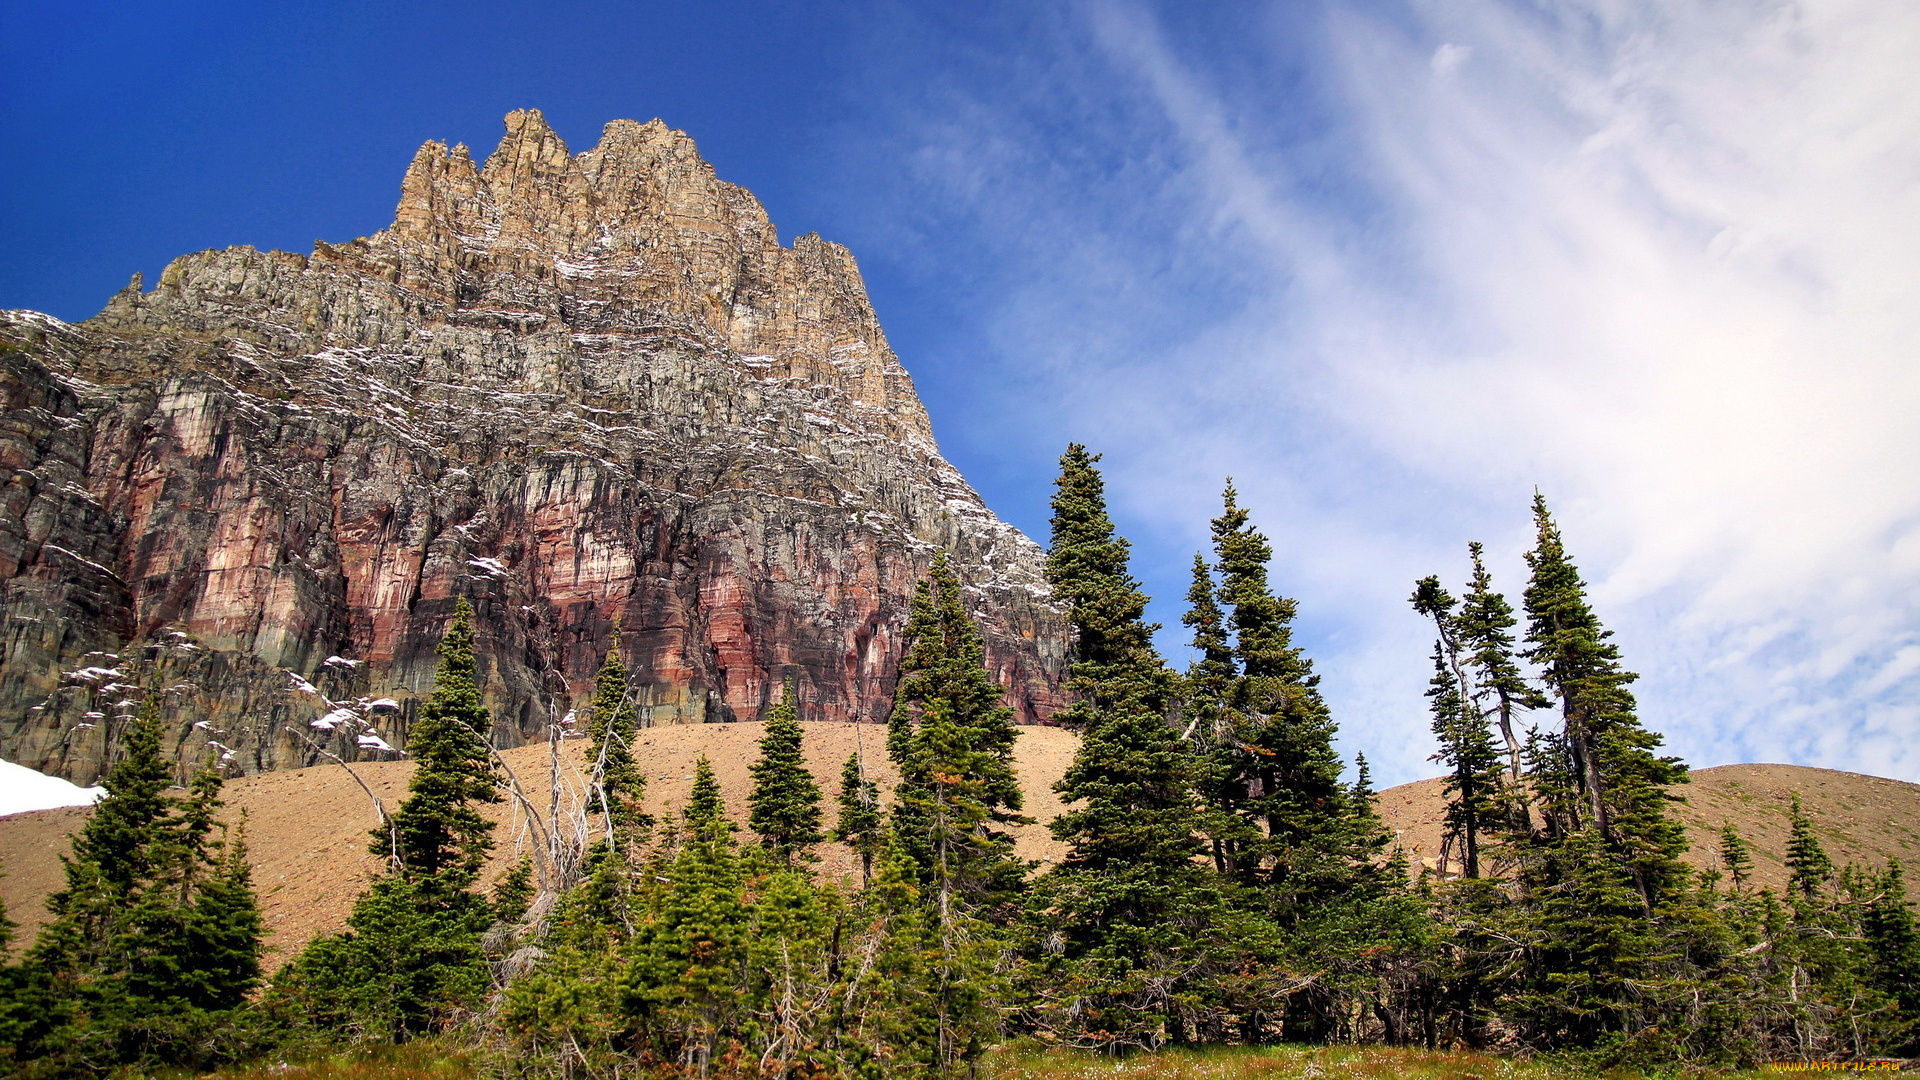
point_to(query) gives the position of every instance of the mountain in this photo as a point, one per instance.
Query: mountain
(580, 390)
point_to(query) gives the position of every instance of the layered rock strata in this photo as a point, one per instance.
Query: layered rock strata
(574, 389)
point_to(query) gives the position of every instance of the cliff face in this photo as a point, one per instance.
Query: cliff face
(572, 388)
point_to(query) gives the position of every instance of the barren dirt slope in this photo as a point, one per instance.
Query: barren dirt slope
(1861, 819)
(307, 829)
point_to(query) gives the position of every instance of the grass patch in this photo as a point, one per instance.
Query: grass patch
(413, 1061)
(1283, 1063)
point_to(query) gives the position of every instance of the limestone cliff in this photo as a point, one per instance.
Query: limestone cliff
(572, 388)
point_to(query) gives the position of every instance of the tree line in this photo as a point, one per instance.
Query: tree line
(1223, 880)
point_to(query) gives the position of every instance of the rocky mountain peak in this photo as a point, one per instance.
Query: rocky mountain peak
(569, 387)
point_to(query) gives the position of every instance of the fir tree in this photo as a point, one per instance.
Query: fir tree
(1127, 897)
(1286, 739)
(411, 952)
(1808, 867)
(1619, 785)
(860, 825)
(1893, 954)
(684, 980)
(1474, 787)
(1213, 730)
(612, 724)
(1736, 855)
(953, 741)
(1483, 629)
(785, 802)
(442, 836)
(156, 937)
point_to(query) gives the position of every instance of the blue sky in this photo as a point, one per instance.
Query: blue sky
(1389, 265)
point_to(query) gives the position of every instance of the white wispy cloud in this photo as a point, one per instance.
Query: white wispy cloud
(1657, 259)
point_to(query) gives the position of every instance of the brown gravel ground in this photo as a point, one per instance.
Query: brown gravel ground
(308, 829)
(1860, 819)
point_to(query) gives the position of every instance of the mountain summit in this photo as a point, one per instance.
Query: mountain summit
(581, 390)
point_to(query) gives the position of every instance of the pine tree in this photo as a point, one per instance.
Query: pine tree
(785, 800)
(1286, 734)
(156, 938)
(953, 741)
(1127, 898)
(1893, 955)
(442, 836)
(1808, 867)
(1736, 855)
(1619, 785)
(411, 952)
(860, 825)
(612, 724)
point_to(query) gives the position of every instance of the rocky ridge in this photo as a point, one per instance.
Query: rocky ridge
(573, 388)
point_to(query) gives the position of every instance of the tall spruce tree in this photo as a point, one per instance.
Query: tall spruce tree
(612, 724)
(1484, 629)
(1474, 787)
(1808, 867)
(785, 801)
(1286, 752)
(860, 825)
(411, 954)
(1619, 785)
(953, 742)
(1128, 899)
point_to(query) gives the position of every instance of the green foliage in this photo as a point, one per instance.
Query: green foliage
(154, 944)
(612, 723)
(441, 833)
(860, 825)
(1474, 780)
(1808, 867)
(953, 741)
(1125, 906)
(785, 802)
(1736, 856)
(411, 958)
(1617, 784)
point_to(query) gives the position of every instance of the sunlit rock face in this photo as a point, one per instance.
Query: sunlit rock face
(573, 388)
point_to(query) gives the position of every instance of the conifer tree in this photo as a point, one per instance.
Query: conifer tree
(156, 936)
(1619, 785)
(1127, 898)
(443, 837)
(1893, 954)
(1736, 855)
(411, 952)
(685, 977)
(612, 724)
(1213, 730)
(1474, 785)
(1286, 734)
(785, 802)
(860, 825)
(953, 741)
(1500, 690)
(1808, 867)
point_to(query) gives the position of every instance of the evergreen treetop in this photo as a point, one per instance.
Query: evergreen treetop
(612, 724)
(785, 801)
(440, 833)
